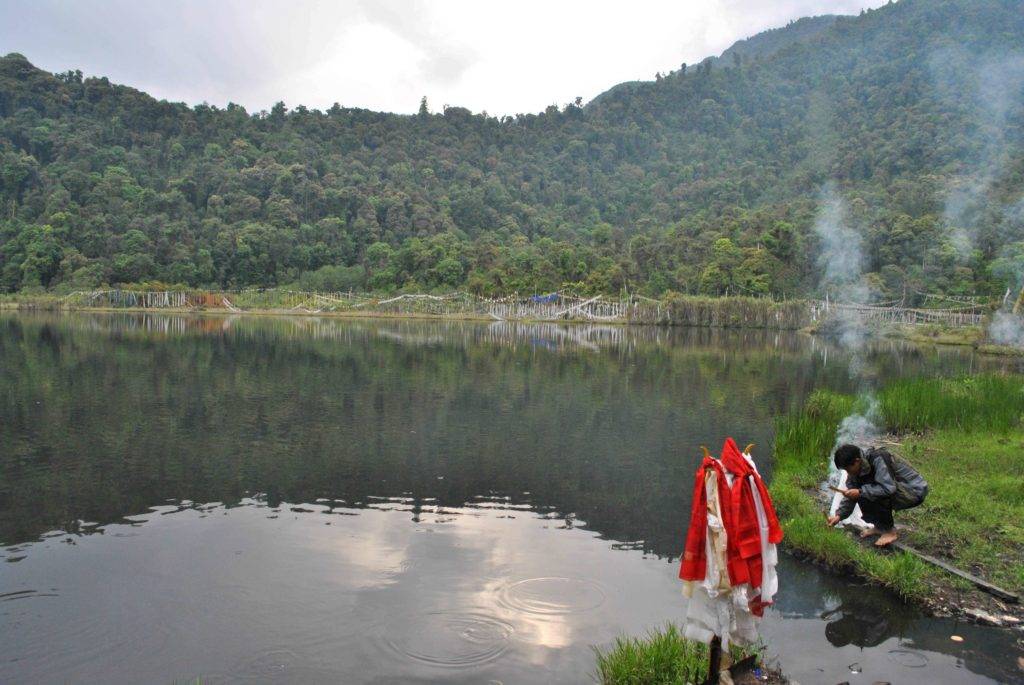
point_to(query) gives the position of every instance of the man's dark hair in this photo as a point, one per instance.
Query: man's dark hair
(846, 455)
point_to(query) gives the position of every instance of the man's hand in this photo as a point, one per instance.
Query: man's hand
(833, 520)
(852, 493)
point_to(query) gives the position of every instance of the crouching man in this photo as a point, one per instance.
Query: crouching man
(880, 483)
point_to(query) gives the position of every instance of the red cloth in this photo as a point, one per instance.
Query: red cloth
(744, 552)
(694, 562)
(739, 517)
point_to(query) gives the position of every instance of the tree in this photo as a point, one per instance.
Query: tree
(634, 188)
(42, 257)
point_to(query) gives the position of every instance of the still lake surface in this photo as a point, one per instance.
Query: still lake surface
(256, 499)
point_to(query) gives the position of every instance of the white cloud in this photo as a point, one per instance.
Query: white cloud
(386, 54)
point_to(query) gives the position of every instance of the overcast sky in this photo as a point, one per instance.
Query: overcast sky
(502, 57)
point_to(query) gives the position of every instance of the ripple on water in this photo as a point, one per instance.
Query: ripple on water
(268, 665)
(908, 658)
(451, 640)
(552, 595)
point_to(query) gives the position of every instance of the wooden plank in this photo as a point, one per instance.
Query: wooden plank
(982, 584)
(575, 307)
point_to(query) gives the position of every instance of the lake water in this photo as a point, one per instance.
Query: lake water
(254, 499)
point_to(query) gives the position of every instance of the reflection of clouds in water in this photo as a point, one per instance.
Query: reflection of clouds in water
(474, 582)
(449, 639)
(474, 599)
(502, 548)
(365, 556)
(542, 606)
(552, 596)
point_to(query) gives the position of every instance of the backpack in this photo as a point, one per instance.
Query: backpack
(904, 498)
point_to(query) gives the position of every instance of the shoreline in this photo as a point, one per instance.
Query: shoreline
(925, 422)
(376, 314)
(966, 336)
(365, 314)
(689, 310)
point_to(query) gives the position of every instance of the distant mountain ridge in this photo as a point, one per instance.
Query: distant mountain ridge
(767, 43)
(708, 179)
(759, 46)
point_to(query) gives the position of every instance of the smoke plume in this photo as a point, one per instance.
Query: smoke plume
(842, 265)
(1006, 329)
(842, 277)
(995, 90)
(841, 258)
(859, 428)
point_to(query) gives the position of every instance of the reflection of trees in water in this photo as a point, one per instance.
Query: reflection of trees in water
(104, 416)
(108, 415)
(431, 331)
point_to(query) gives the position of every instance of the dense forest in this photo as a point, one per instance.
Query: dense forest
(709, 179)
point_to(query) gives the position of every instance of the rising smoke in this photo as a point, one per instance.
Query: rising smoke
(841, 259)
(1006, 328)
(995, 89)
(859, 428)
(842, 267)
(989, 91)
(996, 92)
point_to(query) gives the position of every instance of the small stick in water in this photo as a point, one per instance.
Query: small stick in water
(835, 489)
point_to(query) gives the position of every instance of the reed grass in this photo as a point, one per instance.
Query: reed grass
(976, 403)
(29, 300)
(663, 657)
(736, 312)
(937, 334)
(803, 437)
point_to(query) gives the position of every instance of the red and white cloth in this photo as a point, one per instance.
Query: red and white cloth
(730, 558)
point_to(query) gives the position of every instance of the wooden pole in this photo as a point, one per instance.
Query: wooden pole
(981, 584)
(1020, 300)
(715, 660)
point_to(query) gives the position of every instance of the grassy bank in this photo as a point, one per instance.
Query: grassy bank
(964, 435)
(663, 657)
(967, 336)
(936, 334)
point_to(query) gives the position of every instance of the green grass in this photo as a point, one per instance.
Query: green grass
(664, 657)
(977, 403)
(937, 334)
(965, 437)
(802, 438)
(1001, 350)
(975, 510)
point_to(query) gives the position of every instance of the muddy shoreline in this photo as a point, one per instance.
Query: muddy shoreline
(949, 599)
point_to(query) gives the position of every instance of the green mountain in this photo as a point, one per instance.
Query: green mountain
(909, 119)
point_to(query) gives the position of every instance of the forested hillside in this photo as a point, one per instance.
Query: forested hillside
(708, 179)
